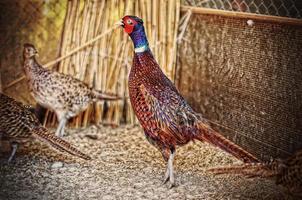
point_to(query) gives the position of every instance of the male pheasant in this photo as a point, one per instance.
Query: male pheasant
(167, 119)
(287, 173)
(18, 123)
(62, 93)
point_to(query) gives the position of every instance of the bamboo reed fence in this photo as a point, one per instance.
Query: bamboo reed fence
(105, 64)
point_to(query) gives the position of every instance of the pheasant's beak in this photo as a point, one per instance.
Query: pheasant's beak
(120, 23)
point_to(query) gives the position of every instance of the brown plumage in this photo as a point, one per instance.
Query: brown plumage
(19, 124)
(167, 119)
(64, 94)
(287, 173)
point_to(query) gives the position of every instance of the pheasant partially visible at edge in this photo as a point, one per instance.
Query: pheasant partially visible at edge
(167, 119)
(62, 93)
(287, 172)
(19, 124)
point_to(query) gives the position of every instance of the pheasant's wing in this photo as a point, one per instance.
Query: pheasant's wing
(69, 82)
(166, 112)
(70, 90)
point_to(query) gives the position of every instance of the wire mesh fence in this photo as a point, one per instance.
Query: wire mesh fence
(282, 8)
(246, 80)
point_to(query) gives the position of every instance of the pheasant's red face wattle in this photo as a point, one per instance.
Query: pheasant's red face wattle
(129, 24)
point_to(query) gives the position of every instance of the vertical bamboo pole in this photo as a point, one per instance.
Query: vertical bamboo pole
(162, 29)
(95, 58)
(103, 62)
(169, 36)
(65, 65)
(148, 19)
(176, 21)
(77, 37)
(153, 27)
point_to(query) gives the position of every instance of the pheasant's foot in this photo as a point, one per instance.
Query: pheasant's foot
(166, 177)
(169, 175)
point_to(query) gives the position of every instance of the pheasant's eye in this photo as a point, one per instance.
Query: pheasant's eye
(129, 22)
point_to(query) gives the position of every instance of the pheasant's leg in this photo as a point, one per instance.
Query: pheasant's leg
(14, 146)
(62, 133)
(171, 171)
(61, 115)
(169, 175)
(60, 129)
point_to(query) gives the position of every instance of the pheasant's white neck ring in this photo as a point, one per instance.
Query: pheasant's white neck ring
(141, 49)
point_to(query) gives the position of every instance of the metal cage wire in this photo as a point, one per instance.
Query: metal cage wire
(282, 8)
(246, 77)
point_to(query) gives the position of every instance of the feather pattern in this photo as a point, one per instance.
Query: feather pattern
(18, 124)
(287, 173)
(165, 115)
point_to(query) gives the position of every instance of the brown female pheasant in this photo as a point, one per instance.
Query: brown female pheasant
(287, 173)
(18, 123)
(167, 119)
(62, 93)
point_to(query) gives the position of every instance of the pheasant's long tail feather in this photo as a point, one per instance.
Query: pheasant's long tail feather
(104, 96)
(207, 134)
(44, 135)
(247, 169)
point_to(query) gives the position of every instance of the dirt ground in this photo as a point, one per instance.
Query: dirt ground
(124, 166)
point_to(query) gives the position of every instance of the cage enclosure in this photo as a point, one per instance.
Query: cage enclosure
(238, 62)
